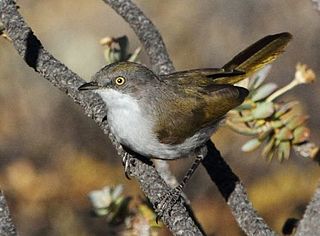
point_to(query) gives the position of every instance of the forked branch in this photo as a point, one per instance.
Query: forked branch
(221, 174)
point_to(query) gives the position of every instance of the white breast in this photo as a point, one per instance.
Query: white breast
(133, 128)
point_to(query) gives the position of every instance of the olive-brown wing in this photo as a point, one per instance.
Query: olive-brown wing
(194, 109)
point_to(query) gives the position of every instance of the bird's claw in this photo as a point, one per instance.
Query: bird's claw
(126, 161)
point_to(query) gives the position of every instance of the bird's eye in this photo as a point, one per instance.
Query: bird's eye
(120, 80)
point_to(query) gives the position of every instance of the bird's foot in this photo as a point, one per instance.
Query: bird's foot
(127, 161)
(167, 201)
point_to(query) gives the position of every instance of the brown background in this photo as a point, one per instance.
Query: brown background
(51, 155)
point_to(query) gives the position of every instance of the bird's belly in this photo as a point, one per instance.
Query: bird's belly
(134, 130)
(186, 148)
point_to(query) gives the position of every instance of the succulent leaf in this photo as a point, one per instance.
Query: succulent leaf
(265, 133)
(300, 134)
(260, 123)
(276, 124)
(285, 108)
(279, 123)
(284, 134)
(297, 121)
(263, 91)
(268, 147)
(263, 110)
(245, 106)
(251, 145)
(287, 117)
(284, 150)
(258, 78)
(241, 128)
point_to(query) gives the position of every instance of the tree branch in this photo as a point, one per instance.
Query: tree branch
(30, 48)
(310, 223)
(7, 227)
(227, 182)
(32, 51)
(151, 38)
(146, 32)
(234, 193)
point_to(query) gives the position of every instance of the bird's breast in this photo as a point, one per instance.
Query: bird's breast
(133, 126)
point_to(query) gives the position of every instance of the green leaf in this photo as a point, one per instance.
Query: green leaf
(267, 149)
(287, 117)
(301, 134)
(257, 79)
(276, 124)
(285, 108)
(251, 145)
(263, 110)
(284, 148)
(266, 132)
(297, 121)
(284, 134)
(263, 91)
(244, 106)
(241, 128)
(284, 151)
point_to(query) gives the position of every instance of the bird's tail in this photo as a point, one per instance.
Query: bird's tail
(256, 56)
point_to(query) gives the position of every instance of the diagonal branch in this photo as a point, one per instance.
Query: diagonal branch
(151, 38)
(146, 32)
(153, 43)
(221, 174)
(234, 193)
(309, 225)
(32, 51)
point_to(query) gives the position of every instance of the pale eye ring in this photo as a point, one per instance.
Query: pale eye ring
(120, 80)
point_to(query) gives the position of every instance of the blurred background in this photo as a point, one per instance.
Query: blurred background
(52, 155)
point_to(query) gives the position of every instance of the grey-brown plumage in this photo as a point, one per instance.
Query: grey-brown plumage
(170, 116)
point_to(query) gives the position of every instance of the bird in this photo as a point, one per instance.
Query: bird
(172, 116)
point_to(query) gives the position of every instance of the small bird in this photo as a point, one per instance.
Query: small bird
(173, 116)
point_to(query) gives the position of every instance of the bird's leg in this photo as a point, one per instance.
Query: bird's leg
(173, 196)
(126, 163)
(201, 153)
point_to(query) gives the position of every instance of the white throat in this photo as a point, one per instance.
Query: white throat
(133, 128)
(126, 120)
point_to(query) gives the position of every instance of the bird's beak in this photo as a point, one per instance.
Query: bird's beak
(89, 86)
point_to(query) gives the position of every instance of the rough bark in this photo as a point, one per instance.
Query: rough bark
(178, 220)
(233, 192)
(146, 32)
(310, 223)
(7, 228)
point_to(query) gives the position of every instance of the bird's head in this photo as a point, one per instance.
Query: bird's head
(123, 77)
